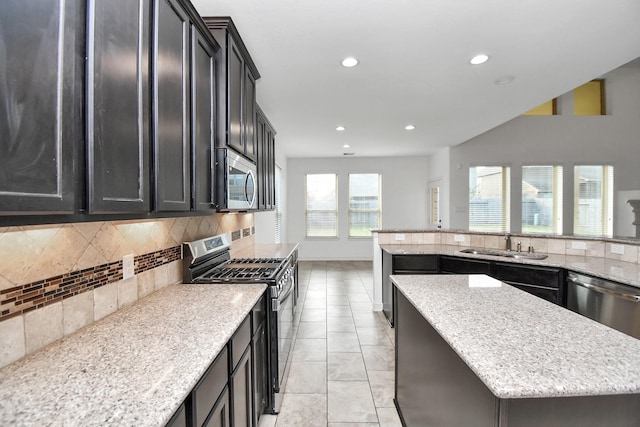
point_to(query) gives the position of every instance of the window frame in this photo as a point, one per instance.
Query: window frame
(350, 211)
(558, 199)
(307, 210)
(606, 202)
(505, 185)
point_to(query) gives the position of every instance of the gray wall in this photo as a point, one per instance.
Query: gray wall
(565, 140)
(404, 201)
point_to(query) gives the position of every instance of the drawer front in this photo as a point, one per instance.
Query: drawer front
(539, 276)
(464, 266)
(415, 263)
(240, 341)
(213, 382)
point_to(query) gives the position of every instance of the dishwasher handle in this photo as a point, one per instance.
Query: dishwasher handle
(605, 290)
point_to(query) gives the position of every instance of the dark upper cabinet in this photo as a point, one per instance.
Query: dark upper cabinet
(171, 126)
(238, 74)
(118, 106)
(202, 119)
(266, 163)
(41, 73)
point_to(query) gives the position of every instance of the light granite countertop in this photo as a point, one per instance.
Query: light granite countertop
(521, 346)
(133, 368)
(619, 271)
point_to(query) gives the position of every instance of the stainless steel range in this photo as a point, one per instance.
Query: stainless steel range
(209, 261)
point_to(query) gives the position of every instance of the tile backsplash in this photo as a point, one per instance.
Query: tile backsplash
(56, 279)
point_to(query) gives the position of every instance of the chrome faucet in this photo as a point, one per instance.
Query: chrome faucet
(507, 245)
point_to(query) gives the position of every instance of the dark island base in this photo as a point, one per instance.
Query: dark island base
(435, 387)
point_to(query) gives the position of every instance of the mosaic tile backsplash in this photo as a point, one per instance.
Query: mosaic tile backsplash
(55, 279)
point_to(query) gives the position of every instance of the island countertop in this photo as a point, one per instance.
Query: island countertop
(521, 346)
(132, 368)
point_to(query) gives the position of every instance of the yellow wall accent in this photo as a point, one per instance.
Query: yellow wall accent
(588, 99)
(546, 109)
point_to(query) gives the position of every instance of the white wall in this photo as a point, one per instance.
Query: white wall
(565, 140)
(404, 201)
(439, 169)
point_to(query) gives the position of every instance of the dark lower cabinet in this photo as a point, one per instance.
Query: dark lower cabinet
(220, 414)
(118, 110)
(455, 265)
(171, 127)
(179, 419)
(402, 264)
(241, 386)
(545, 282)
(209, 389)
(41, 127)
(260, 373)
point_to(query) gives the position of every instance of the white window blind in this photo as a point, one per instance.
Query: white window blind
(542, 199)
(593, 203)
(278, 208)
(321, 205)
(364, 204)
(489, 198)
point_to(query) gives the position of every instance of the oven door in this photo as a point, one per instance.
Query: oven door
(281, 339)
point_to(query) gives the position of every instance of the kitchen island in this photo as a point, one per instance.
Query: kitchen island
(471, 350)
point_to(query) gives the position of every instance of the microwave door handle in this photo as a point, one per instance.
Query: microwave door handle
(246, 190)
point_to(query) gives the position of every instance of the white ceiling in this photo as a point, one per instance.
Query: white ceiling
(414, 65)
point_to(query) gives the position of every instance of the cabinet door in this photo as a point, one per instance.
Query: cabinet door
(270, 170)
(202, 120)
(179, 419)
(118, 106)
(249, 113)
(170, 119)
(261, 160)
(464, 266)
(220, 415)
(42, 45)
(241, 392)
(260, 378)
(235, 78)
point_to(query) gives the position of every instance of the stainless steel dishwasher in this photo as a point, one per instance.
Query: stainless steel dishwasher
(612, 304)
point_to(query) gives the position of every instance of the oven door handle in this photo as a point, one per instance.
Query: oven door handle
(276, 303)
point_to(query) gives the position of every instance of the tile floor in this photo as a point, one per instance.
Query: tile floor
(341, 373)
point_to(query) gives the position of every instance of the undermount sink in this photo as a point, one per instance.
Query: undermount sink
(506, 254)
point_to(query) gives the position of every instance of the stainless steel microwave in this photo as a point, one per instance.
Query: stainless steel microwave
(236, 186)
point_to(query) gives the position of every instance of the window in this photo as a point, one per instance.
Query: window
(489, 198)
(278, 208)
(588, 99)
(364, 204)
(542, 199)
(593, 204)
(322, 205)
(549, 108)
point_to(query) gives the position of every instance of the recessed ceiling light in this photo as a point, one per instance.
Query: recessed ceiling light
(349, 62)
(410, 127)
(346, 146)
(479, 59)
(340, 128)
(503, 80)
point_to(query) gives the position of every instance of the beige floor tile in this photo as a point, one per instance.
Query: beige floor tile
(378, 358)
(353, 425)
(333, 300)
(308, 410)
(350, 401)
(340, 324)
(312, 330)
(339, 311)
(388, 417)
(310, 350)
(313, 315)
(382, 387)
(346, 367)
(316, 303)
(373, 336)
(343, 342)
(307, 377)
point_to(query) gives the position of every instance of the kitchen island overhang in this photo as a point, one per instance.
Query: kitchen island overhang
(471, 350)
